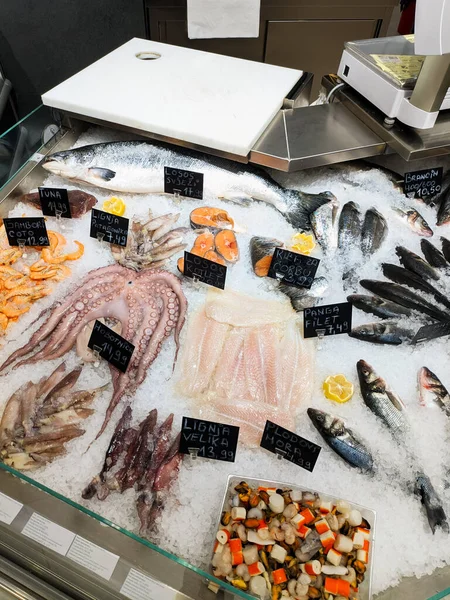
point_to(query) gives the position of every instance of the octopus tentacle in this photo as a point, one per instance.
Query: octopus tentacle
(149, 304)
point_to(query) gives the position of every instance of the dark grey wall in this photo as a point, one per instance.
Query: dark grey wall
(43, 42)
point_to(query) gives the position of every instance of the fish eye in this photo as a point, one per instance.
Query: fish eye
(320, 418)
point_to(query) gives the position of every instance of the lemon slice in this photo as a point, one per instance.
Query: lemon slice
(338, 388)
(303, 242)
(115, 206)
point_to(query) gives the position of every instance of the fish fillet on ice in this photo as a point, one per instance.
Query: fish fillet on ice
(244, 361)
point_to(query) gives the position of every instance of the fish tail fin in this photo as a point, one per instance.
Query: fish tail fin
(302, 205)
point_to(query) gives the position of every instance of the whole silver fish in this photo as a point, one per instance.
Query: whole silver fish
(412, 280)
(378, 306)
(432, 390)
(341, 439)
(374, 231)
(446, 248)
(382, 332)
(415, 221)
(302, 298)
(443, 216)
(323, 223)
(137, 167)
(349, 231)
(382, 401)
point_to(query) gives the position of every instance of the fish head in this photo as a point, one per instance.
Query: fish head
(325, 423)
(63, 164)
(366, 374)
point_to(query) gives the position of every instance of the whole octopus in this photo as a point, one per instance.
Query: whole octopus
(148, 304)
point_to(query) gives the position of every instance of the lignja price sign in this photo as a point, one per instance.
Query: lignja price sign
(207, 439)
(111, 346)
(109, 228)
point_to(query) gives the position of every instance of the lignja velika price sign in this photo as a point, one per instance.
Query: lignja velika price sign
(423, 184)
(55, 202)
(111, 346)
(202, 269)
(207, 439)
(29, 231)
(290, 446)
(330, 319)
(293, 268)
(109, 228)
(184, 183)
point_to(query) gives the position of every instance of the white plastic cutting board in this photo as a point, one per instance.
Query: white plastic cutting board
(208, 99)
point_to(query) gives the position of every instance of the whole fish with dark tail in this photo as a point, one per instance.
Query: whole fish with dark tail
(341, 439)
(378, 306)
(403, 276)
(401, 295)
(443, 216)
(432, 503)
(415, 263)
(382, 332)
(446, 248)
(434, 257)
(137, 167)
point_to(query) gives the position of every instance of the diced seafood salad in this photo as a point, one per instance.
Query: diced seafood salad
(293, 544)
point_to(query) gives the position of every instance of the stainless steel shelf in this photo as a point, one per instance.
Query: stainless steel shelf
(314, 136)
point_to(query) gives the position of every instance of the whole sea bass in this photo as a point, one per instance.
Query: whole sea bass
(341, 439)
(137, 167)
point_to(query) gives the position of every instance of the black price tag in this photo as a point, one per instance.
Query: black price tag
(31, 231)
(109, 228)
(208, 439)
(185, 183)
(293, 268)
(111, 346)
(207, 271)
(290, 446)
(54, 202)
(332, 319)
(423, 184)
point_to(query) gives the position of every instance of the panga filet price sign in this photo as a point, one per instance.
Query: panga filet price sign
(329, 319)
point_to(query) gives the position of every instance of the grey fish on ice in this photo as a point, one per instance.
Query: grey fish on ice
(341, 439)
(137, 167)
(415, 221)
(401, 295)
(434, 257)
(415, 263)
(302, 298)
(349, 230)
(378, 306)
(323, 223)
(382, 332)
(432, 390)
(374, 231)
(443, 216)
(382, 401)
(446, 248)
(433, 505)
(412, 280)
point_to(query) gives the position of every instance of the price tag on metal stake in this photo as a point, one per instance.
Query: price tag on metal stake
(206, 439)
(26, 231)
(183, 182)
(55, 202)
(111, 346)
(110, 228)
(293, 268)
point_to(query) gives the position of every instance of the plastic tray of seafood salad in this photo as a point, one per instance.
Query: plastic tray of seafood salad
(280, 540)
